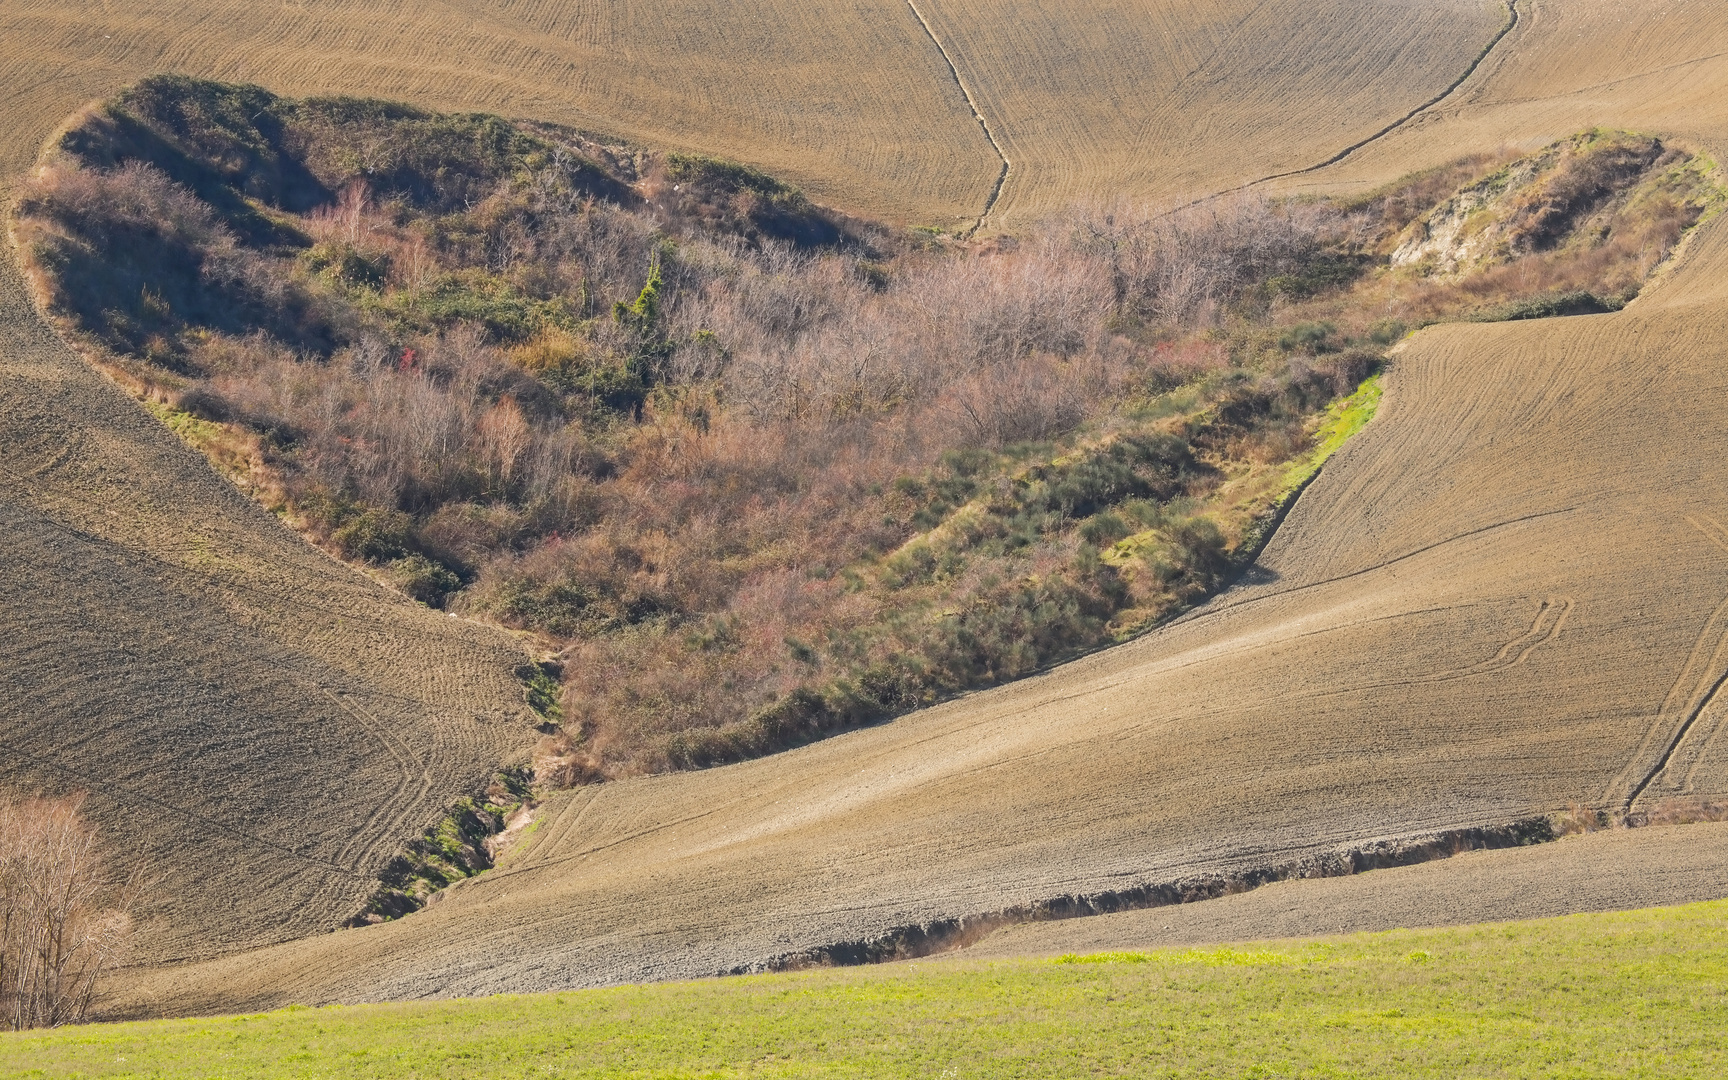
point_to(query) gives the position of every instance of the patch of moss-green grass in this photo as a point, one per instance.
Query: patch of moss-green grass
(192, 429)
(1344, 419)
(1634, 994)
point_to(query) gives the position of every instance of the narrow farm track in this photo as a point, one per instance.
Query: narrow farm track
(1492, 603)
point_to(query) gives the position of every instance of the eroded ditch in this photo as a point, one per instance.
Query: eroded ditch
(946, 935)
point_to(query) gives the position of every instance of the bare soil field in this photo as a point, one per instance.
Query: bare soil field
(1649, 66)
(1503, 597)
(858, 104)
(1164, 101)
(1603, 871)
(260, 727)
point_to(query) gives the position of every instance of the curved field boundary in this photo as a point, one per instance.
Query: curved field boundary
(1512, 20)
(1222, 603)
(977, 114)
(943, 935)
(1487, 50)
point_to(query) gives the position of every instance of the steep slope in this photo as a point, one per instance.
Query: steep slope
(259, 727)
(1504, 597)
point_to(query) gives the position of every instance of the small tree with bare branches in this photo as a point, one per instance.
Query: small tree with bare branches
(56, 935)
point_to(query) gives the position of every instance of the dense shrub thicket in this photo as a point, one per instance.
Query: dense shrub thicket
(756, 471)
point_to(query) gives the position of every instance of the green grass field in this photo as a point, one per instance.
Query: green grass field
(1637, 994)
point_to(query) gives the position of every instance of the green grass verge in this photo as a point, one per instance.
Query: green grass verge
(1636, 994)
(1343, 419)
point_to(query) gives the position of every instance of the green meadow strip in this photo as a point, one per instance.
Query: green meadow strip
(1637, 994)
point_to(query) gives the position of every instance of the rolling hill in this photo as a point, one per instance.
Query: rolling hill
(857, 104)
(1504, 597)
(1501, 599)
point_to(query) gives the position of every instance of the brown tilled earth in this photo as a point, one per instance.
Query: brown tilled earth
(1505, 596)
(854, 101)
(260, 728)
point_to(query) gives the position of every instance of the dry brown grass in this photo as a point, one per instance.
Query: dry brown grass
(1679, 810)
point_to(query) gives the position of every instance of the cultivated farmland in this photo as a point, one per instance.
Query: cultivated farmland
(855, 103)
(1433, 640)
(1504, 597)
(257, 723)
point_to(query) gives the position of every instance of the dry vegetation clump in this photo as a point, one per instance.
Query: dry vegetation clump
(1576, 228)
(1680, 810)
(63, 921)
(757, 472)
(1677, 810)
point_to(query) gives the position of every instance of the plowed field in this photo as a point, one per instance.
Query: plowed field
(259, 727)
(1604, 871)
(1506, 595)
(857, 102)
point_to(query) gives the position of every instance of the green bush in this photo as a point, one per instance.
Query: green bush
(345, 263)
(1314, 337)
(1386, 332)
(1552, 305)
(426, 581)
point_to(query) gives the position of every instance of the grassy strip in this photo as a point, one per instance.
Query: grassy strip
(1344, 419)
(1635, 994)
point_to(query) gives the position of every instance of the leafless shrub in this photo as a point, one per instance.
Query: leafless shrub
(1181, 267)
(56, 937)
(135, 195)
(1680, 810)
(1578, 818)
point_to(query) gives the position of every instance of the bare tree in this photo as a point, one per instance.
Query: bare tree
(56, 937)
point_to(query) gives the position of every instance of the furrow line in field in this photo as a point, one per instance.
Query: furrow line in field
(977, 114)
(1512, 19)
(945, 935)
(122, 793)
(1487, 50)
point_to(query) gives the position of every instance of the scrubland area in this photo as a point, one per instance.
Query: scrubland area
(1637, 994)
(750, 470)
